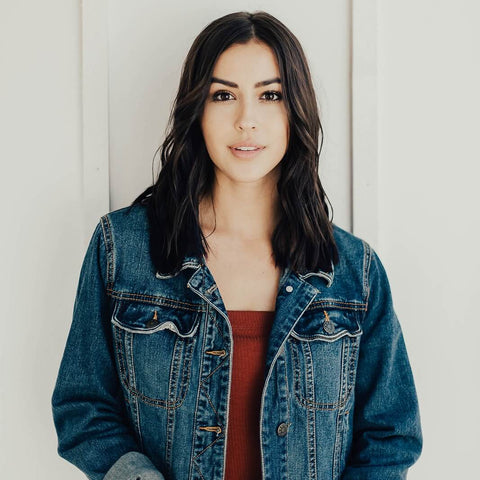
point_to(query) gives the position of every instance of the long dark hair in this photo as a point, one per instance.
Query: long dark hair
(303, 238)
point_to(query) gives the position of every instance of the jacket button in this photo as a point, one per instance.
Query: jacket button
(289, 288)
(282, 429)
(152, 323)
(329, 327)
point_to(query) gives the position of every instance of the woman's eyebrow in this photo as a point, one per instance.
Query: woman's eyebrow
(234, 85)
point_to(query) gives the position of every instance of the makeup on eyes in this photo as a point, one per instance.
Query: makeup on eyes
(215, 95)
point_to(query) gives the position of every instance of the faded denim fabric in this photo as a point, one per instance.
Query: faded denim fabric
(143, 387)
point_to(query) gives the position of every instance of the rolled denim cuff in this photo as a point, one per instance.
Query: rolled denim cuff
(133, 466)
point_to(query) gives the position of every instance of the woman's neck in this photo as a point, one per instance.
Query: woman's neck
(248, 211)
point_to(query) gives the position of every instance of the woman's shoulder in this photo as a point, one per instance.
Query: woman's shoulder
(348, 243)
(126, 227)
(355, 255)
(357, 258)
(130, 218)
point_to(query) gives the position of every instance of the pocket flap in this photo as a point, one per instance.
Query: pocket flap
(144, 318)
(327, 325)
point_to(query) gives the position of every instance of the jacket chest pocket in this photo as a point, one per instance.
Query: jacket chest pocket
(154, 348)
(323, 349)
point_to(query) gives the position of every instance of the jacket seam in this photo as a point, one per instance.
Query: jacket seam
(109, 250)
(155, 300)
(169, 302)
(367, 261)
(326, 302)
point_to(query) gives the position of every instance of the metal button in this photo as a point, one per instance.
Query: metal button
(153, 322)
(329, 327)
(289, 288)
(282, 429)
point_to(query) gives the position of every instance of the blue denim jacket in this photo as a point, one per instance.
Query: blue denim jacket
(144, 383)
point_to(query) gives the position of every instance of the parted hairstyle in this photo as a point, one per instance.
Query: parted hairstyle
(303, 237)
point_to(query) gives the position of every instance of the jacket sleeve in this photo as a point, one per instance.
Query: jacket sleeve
(87, 404)
(387, 437)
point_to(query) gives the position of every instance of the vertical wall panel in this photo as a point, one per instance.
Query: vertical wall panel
(95, 121)
(429, 99)
(364, 121)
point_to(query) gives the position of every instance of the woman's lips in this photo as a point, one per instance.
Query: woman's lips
(246, 153)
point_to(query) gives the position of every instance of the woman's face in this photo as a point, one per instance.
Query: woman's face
(241, 112)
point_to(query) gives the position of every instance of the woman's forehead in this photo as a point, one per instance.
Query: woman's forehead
(253, 61)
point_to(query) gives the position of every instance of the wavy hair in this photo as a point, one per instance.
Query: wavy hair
(303, 237)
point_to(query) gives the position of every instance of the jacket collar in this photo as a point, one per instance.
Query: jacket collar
(328, 276)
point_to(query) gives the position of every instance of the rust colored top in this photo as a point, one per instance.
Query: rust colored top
(250, 339)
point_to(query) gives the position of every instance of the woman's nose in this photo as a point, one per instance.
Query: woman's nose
(246, 118)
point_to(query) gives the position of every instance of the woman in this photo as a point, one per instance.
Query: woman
(233, 246)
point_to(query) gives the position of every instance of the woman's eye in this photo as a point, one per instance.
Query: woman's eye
(220, 96)
(271, 94)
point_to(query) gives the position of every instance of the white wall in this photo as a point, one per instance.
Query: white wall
(429, 236)
(428, 104)
(42, 235)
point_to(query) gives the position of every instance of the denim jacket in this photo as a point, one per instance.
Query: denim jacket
(143, 387)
